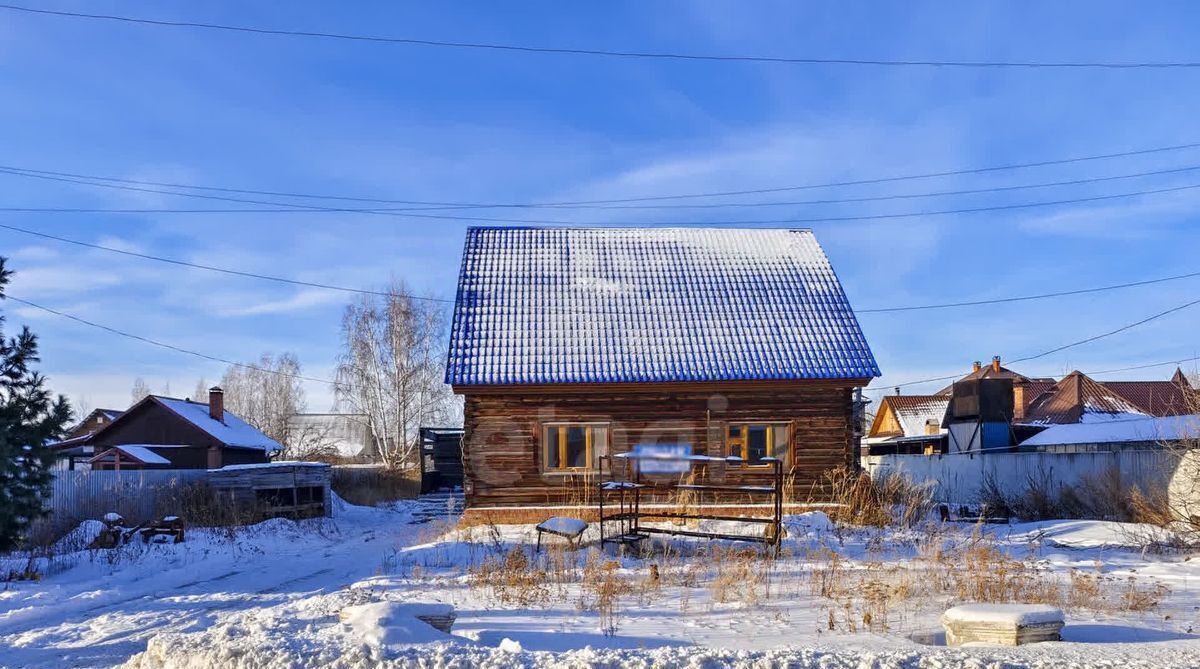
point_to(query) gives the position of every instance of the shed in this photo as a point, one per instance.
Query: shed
(441, 458)
(288, 489)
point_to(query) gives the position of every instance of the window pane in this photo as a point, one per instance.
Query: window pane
(599, 442)
(552, 449)
(756, 442)
(735, 431)
(577, 447)
(780, 447)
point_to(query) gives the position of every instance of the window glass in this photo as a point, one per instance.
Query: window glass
(577, 447)
(571, 447)
(780, 447)
(756, 443)
(599, 441)
(552, 452)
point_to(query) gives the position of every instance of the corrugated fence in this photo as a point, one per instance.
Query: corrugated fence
(960, 476)
(137, 495)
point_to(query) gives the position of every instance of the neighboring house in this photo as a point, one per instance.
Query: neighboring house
(569, 345)
(908, 424)
(994, 407)
(73, 450)
(169, 433)
(346, 435)
(91, 423)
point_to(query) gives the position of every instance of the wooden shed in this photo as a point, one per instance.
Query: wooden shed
(287, 489)
(571, 344)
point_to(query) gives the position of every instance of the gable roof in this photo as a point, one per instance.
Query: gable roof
(596, 305)
(233, 432)
(1077, 398)
(142, 454)
(108, 414)
(912, 411)
(986, 372)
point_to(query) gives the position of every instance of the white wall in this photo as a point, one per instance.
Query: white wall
(959, 476)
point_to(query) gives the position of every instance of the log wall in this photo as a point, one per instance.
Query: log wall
(502, 449)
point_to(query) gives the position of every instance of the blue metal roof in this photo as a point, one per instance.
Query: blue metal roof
(602, 305)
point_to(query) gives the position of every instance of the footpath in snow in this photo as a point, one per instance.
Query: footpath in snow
(345, 593)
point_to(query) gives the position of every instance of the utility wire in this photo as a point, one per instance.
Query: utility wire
(103, 182)
(553, 222)
(206, 356)
(1123, 328)
(224, 270)
(571, 51)
(1026, 298)
(211, 268)
(652, 198)
(153, 342)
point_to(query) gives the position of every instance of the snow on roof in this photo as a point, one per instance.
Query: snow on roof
(140, 453)
(1077, 398)
(233, 432)
(1119, 428)
(590, 305)
(912, 411)
(278, 464)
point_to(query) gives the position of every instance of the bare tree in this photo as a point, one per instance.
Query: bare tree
(140, 390)
(200, 392)
(266, 394)
(391, 370)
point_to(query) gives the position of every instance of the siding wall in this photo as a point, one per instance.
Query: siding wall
(502, 448)
(959, 476)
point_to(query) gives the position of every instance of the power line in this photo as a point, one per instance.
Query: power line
(310, 284)
(153, 342)
(213, 358)
(571, 51)
(552, 222)
(211, 268)
(121, 184)
(1026, 298)
(677, 196)
(1057, 349)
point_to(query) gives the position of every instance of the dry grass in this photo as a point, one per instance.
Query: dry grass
(372, 486)
(891, 500)
(878, 597)
(512, 580)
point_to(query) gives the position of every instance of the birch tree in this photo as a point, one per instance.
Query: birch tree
(391, 370)
(266, 394)
(139, 391)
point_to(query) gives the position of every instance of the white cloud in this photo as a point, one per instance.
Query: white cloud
(300, 301)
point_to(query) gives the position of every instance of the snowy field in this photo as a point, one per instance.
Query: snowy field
(343, 593)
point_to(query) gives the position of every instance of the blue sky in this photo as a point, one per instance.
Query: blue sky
(407, 122)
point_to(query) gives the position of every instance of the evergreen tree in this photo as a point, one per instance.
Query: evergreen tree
(29, 418)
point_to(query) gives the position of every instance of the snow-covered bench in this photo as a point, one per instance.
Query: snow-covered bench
(1003, 624)
(568, 528)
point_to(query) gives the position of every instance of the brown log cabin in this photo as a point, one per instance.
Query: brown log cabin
(570, 345)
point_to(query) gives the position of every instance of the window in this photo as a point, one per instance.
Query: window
(754, 441)
(573, 447)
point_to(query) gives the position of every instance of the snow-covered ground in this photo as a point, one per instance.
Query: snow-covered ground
(342, 593)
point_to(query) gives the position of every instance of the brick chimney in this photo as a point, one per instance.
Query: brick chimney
(216, 403)
(995, 363)
(976, 366)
